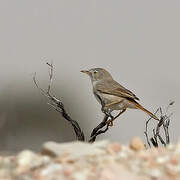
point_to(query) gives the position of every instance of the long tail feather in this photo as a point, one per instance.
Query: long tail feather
(145, 110)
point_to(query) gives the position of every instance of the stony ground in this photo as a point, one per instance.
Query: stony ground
(98, 161)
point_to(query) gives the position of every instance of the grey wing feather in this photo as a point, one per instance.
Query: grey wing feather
(114, 88)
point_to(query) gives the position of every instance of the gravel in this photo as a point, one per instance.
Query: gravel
(101, 160)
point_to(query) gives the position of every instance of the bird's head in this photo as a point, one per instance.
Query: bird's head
(98, 74)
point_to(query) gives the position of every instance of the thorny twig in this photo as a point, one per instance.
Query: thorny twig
(59, 107)
(163, 122)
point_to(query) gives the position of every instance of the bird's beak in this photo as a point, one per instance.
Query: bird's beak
(86, 72)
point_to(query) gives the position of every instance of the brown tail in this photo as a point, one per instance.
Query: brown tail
(145, 110)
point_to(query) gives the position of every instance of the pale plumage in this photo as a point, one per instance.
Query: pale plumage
(111, 94)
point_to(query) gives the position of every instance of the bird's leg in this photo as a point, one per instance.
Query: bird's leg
(111, 120)
(107, 112)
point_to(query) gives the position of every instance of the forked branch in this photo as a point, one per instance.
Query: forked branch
(58, 105)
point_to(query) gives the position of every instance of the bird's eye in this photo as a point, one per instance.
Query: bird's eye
(95, 72)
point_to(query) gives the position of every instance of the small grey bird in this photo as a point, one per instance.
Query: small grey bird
(111, 94)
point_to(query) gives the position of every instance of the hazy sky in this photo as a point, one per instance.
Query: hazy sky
(137, 41)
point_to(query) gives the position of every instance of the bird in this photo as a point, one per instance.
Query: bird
(111, 95)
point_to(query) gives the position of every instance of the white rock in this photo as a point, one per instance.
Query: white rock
(162, 159)
(123, 155)
(81, 175)
(173, 169)
(135, 166)
(29, 159)
(101, 144)
(154, 172)
(51, 168)
(72, 150)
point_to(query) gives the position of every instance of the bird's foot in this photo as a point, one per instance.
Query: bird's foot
(107, 112)
(110, 122)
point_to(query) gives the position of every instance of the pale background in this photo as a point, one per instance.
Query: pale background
(137, 41)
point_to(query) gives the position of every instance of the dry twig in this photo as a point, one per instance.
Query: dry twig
(163, 123)
(58, 105)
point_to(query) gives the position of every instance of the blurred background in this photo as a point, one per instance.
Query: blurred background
(137, 41)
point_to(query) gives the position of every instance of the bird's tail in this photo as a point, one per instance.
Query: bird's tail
(145, 110)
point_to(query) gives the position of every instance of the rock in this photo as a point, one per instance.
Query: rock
(136, 144)
(173, 169)
(115, 171)
(51, 172)
(81, 175)
(51, 168)
(98, 161)
(101, 144)
(72, 150)
(144, 178)
(162, 159)
(114, 148)
(27, 160)
(125, 152)
(154, 173)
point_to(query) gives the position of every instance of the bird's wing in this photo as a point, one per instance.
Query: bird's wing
(114, 88)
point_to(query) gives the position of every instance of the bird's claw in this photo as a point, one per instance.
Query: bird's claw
(110, 122)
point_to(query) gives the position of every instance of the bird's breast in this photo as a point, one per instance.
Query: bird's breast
(107, 98)
(111, 98)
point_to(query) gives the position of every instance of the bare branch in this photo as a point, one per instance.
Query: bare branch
(41, 90)
(146, 128)
(58, 105)
(50, 76)
(98, 130)
(170, 104)
(164, 122)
